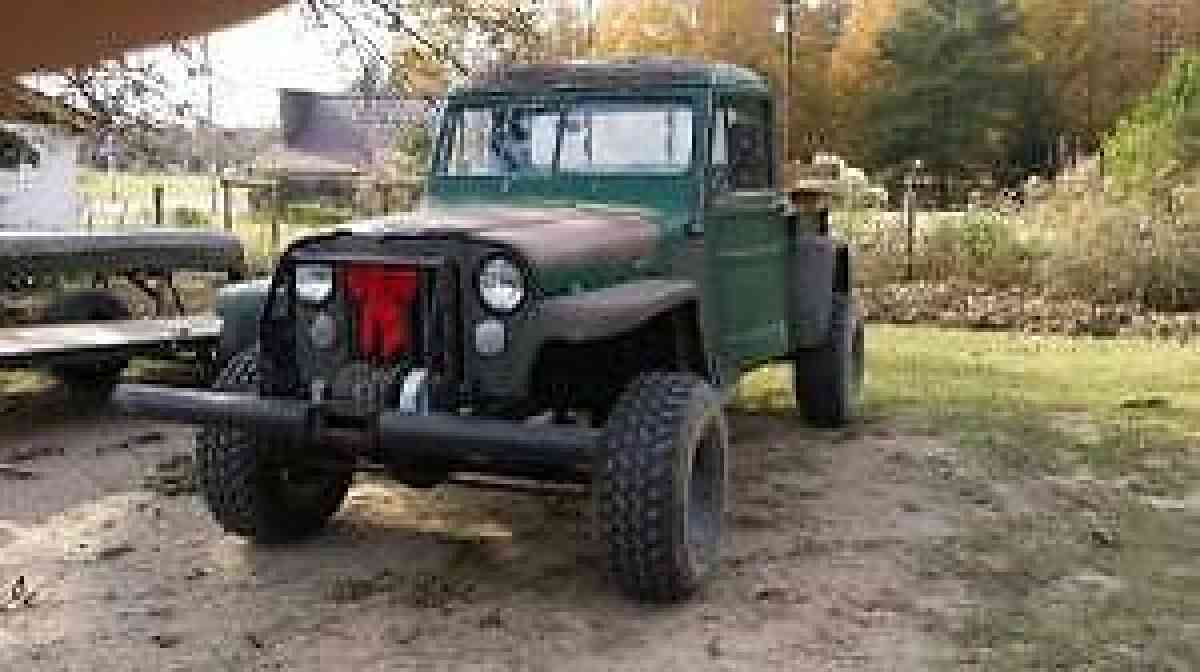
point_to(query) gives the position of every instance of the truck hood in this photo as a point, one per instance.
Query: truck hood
(549, 238)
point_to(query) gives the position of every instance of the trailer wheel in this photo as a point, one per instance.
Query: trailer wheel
(660, 484)
(829, 380)
(97, 373)
(252, 489)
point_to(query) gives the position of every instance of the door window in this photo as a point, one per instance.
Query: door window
(740, 146)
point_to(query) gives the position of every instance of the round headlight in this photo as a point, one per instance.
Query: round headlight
(501, 285)
(314, 282)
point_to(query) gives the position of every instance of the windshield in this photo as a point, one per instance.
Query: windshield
(589, 137)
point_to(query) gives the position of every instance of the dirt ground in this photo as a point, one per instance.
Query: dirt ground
(108, 562)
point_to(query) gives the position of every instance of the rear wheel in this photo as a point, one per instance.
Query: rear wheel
(95, 373)
(255, 489)
(660, 486)
(829, 380)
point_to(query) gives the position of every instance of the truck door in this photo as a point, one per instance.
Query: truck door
(746, 236)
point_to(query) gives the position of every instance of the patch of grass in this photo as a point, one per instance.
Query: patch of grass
(1064, 444)
(1049, 402)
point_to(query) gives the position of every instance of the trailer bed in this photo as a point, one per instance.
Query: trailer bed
(28, 344)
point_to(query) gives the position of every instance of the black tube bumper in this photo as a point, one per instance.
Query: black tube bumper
(459, 443)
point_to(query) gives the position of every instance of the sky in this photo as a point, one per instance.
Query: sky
(253, 60)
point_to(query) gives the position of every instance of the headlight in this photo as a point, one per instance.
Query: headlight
(314, 282)
(501, 285)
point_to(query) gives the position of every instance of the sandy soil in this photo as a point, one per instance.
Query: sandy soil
(107, 562)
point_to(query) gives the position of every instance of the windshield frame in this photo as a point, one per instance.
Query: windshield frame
(453, 115)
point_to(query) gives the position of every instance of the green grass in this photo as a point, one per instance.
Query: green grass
(1066, 449)
(1068, 398)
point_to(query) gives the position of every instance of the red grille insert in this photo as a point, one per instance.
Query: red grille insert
(384, 297)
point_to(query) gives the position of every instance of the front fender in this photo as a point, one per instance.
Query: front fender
(240, 307)
(608, 312)
(586, 317)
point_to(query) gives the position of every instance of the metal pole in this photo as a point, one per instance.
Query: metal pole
(909, 225)
(788, 6)
(910, 219)
(591, 28)
(212, 139)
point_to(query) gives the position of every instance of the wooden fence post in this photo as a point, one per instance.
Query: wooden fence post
(227, 204)
(276, 212)
(159, 206)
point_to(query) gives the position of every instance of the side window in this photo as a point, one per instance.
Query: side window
(740, 149)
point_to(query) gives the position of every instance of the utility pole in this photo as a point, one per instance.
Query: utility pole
(591, 28)
(788, 17)
(211, 130)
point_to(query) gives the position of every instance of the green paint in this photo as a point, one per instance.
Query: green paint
(743, 236)
(747, 250)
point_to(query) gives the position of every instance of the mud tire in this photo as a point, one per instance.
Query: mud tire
(829, 380)
(660, 486)
(247, 483)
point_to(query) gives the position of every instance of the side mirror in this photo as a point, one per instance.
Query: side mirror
(745, 144)
(747, 156)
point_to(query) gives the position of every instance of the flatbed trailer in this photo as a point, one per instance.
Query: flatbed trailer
(40, 344)
(87, 334)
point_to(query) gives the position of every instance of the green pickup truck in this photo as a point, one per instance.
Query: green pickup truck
(604, 250)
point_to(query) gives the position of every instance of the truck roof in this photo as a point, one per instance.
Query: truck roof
(624, 74)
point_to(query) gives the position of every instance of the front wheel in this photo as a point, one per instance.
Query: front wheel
(660, 486)
(252, 488)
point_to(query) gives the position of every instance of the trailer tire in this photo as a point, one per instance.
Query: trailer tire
(828, 380)
(660, 484)
(98, 373)
(246, 480)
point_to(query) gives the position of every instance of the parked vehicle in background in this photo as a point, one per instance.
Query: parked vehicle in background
(86, 333)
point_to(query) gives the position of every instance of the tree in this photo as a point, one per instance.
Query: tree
(954, 99)
(858, 71)
(135, 94)
(742, 32)
(1156, 146)
(646, 28)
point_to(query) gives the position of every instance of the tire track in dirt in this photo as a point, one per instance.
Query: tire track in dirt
(824, 570)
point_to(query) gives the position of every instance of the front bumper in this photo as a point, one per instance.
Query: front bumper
(458, 443)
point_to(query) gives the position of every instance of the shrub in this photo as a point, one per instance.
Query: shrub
(1156, 144)
(983, 247)
(191, 218)
(316, 215)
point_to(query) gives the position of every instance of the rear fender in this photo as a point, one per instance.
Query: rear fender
(813, 276)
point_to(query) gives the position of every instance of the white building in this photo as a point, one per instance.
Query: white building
(39, 148)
